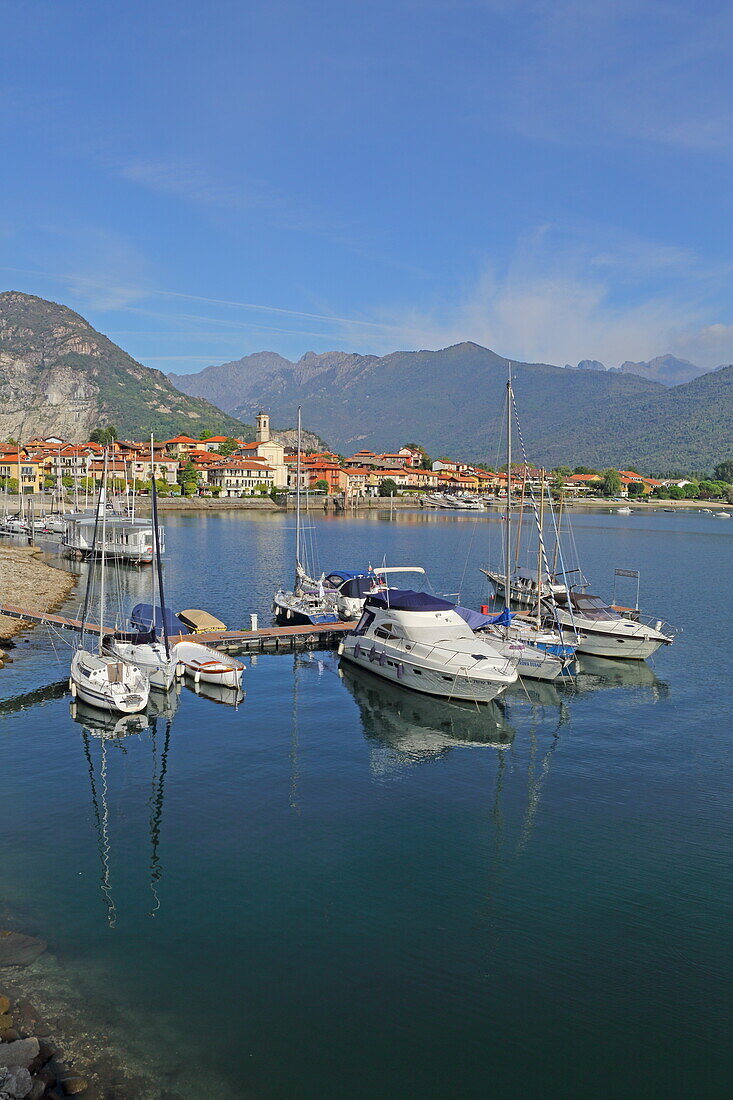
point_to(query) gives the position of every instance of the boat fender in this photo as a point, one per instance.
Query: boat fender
(373, 654)
(180, 670)
(383, 659)
(197, 676)
(400, 671)
(72, 689)
(341, 648)
(357, 650)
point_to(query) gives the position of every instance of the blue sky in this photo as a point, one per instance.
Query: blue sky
(204, 180)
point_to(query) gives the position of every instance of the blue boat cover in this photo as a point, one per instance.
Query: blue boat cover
(475, 619)
(407, 600)
(142, 617)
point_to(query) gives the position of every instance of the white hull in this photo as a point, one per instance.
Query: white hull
(392, 665)
(533, 663)
(159, 670)
(627, 638)
(109, 685)
(208, 666)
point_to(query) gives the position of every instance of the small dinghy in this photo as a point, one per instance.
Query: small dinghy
(207, 666)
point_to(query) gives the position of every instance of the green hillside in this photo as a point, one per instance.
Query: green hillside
(58, 375)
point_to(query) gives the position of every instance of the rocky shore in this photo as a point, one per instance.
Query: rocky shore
(28, 581)
(31, 1065)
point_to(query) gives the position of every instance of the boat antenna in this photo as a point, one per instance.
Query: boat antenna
(156, 544)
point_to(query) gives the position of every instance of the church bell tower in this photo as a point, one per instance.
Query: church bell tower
(263, 428)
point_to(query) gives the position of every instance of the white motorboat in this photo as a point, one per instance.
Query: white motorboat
(722, 515)
(623, 511)
(209, 666)
(603, 631)
(421, 642)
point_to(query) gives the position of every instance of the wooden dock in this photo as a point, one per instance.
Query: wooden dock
(272, 639)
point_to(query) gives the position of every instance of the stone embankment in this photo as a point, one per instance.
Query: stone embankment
(31, 1065)
(28, 581)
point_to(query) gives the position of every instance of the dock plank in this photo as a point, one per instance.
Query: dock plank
(244, 639)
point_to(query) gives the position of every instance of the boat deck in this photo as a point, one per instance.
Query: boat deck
(273, 639)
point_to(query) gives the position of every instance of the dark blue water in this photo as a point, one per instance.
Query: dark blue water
(339, 888)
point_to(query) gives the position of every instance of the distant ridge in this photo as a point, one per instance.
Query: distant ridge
(451, 401)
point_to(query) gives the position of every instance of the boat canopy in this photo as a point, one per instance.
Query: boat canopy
(200, 621)
(477, 621)
(144, 619)
(395, 599)
(339, 575)
(135, 637)
(357, 587)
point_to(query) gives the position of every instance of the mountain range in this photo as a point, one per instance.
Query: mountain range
(59, 376)
(667, 369)
(451, 402)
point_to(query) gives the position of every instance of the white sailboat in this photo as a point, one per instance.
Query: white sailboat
(111, 685)
(143, 648)
(540, 650)
(303, 605)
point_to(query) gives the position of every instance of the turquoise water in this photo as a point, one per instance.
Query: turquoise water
(339, 888)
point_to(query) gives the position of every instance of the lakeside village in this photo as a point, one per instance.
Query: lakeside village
(222, 467)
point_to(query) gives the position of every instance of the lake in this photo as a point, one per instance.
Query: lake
(342, 888)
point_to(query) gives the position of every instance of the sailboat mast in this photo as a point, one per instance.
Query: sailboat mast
(155, 541)
(297, 504)
(103, 494)
(157, 565)
(508, 517)
(540, 546)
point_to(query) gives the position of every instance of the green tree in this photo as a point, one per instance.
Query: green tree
(564, 471)
(584, 470)
(321, 484)
(388, 487)
(724, 470)
(104, 436)
(611, 484)
(229, 447)
(636, 489)
(188, 479)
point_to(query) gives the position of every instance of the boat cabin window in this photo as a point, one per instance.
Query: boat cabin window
(366, 620)
(388, 631)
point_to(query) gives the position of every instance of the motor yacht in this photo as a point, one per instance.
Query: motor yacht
(603, 631)
(420, 641)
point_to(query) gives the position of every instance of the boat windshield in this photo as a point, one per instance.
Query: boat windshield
(593, 607)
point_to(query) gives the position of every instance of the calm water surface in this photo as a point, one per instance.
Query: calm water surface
(343, 889)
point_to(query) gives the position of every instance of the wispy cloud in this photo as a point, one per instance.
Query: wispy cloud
(567, 296)
(196, 184)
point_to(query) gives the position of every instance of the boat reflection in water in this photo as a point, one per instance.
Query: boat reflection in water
(422, 727)
(106, 734)
(217, 693)
(602, 673)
